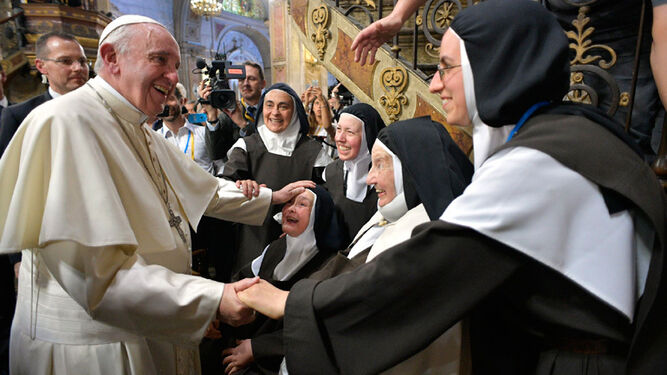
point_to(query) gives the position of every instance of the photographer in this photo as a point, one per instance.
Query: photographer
(251, 90)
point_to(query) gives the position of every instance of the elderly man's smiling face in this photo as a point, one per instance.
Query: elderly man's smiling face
(148, 69)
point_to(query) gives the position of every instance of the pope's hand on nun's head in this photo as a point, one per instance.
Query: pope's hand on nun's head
(250, 188)
(232, 311)
(291, 190)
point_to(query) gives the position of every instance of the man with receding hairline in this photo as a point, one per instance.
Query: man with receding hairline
(100, 206)
(62, 61)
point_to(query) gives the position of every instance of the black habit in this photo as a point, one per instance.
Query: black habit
(276, 171)
(526, 318)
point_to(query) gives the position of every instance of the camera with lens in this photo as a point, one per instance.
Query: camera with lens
(218, 75)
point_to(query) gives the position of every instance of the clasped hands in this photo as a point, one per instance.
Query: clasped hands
(241, 299)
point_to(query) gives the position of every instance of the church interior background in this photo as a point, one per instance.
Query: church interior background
(302, 43)
(242, 30)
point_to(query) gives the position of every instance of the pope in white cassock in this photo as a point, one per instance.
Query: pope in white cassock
(100, 206)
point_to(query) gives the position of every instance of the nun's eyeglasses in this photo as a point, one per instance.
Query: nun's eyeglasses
(444, 70)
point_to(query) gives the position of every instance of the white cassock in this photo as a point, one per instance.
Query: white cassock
(103, 287)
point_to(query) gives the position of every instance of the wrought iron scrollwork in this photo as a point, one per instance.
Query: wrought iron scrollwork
(320, 19)
(394, 81)
(437, 16)
(349, 10)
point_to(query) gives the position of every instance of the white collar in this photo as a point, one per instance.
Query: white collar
(4, 102)
(564, 224)
(118, 95)
(187, 125)
(393, 210)
(53, 93)
(485, 139)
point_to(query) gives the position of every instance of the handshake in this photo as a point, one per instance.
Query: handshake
(241, 299)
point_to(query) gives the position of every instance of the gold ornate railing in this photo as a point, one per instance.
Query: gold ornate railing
(397, 83)
(391, 84)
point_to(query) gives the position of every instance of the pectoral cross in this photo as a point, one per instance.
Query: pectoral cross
(175, 221)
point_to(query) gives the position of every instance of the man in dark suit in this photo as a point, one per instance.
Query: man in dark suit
(60, 58)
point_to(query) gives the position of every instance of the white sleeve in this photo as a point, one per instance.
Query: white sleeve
(118, 288)
(230, 204)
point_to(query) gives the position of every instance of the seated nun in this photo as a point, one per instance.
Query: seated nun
(345, 178)
(278, 153)
(312, 235)
(417, 170)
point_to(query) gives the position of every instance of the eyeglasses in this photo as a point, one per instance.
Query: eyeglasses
(68, 61)
(444, 70)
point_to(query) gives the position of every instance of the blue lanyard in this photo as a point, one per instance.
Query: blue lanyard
(525, 117)
(187, 143)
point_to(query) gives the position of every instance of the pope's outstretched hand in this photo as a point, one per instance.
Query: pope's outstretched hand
(265, 298)
(232, 311)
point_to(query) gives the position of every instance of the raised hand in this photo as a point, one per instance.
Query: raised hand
(291, 190)
(372, 37)
(232, 311)
(265, 298)
(236, 115)
(204, 92)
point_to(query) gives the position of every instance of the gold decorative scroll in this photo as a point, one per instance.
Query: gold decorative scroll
(369, 3)
(320, 18)
(394, 81)
(583, 46)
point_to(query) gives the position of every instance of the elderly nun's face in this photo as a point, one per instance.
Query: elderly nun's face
(382, 175)
(348, 137)
(277, 110)
(296, 213)
(448, 82)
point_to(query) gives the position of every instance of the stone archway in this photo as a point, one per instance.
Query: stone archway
(196, 34)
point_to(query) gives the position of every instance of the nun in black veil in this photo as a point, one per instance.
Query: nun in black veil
(278, 153)
(345, 177)
(413, 189)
